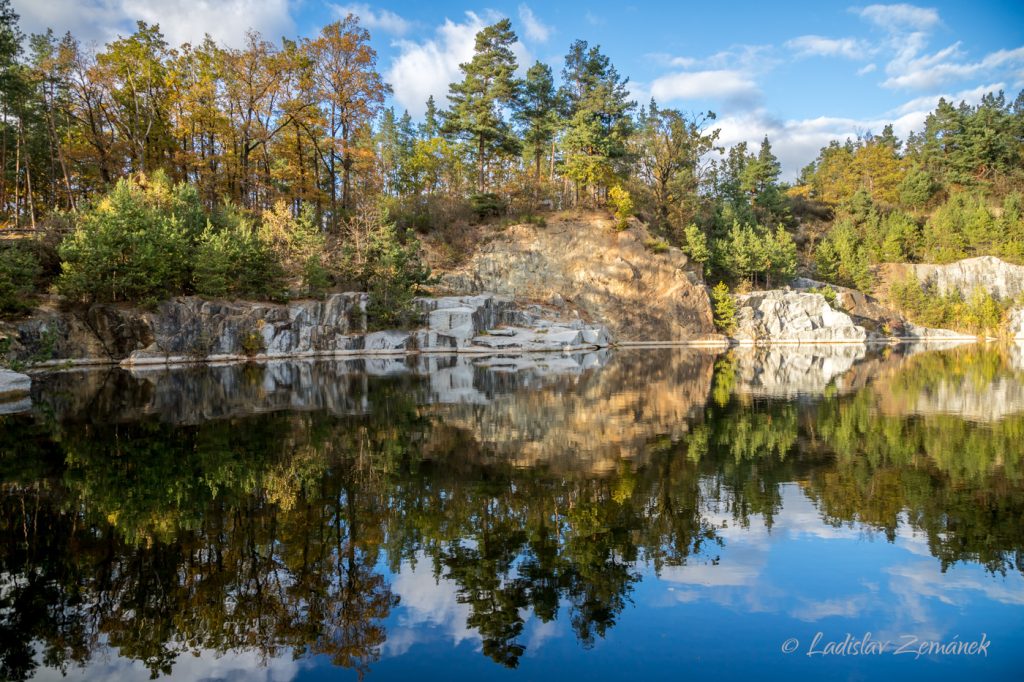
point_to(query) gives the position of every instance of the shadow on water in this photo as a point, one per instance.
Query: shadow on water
(272, 508)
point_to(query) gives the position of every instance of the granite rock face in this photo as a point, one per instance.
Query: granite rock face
(1001, 279)
(192, 329)
(1015, 324)
(608, 276)
(14, 391)
(788, 316)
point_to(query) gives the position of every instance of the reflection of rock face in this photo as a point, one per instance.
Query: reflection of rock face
(584, 410)
(610, 276)
(1002, 397)
(593, 420)
(975, 383)
(792, 371)
(198, 393)
(781, 315)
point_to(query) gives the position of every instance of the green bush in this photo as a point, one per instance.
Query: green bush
(696, 245)
(981, 313)
(724, 308)
(394, 274)
(233, 261)
(19, 268)
(486, 205)
(656, 245)
(827, 292)
(620, 201)
(128, 247)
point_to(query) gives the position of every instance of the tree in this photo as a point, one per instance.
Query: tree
(670, 159)
(696, 246)
(488, 86)
(130, 247)
(132, 72)
(724, 308)
(350, 93)
(394, 275)
(598, 122)
(760, 181)
(538, 114)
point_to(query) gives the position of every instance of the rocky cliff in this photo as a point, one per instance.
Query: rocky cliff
(801, 317)
(782, 315)
(583, 263)
(1001, 279)
(190, 329)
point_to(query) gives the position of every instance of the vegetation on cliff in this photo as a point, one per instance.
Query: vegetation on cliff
(249, 171)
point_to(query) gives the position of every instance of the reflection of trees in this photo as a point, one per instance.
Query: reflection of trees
(267, 532)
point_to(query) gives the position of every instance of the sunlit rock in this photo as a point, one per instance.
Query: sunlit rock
(790, 316)
(582, 263)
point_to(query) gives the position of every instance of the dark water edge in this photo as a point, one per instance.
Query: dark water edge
(617, 514)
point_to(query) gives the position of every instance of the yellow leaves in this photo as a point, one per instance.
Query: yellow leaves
(872, 166)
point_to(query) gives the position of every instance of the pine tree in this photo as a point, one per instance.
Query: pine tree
(488, 86)
(597, 118)
(431, 124)
(724, 313)
(538, 114)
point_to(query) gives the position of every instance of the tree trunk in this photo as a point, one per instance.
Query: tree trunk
(480, 164)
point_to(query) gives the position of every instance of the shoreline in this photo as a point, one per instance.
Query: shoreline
(708, 344)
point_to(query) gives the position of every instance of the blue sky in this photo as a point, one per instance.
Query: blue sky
(802, 73)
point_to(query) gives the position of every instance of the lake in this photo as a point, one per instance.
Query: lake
(643, 514)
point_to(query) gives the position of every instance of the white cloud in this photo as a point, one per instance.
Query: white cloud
(901, 17)
(796, 142)
(180, 20)
(731, 85)
(863, 71)
(422, 69)
(533, 27)
(381, 20)
(819, 46)
(927, 103)
(935, 70)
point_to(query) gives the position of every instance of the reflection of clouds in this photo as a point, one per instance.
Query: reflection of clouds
(925, 579)
(426, 602)
(848, 607)
(911, 599)
(742, 568)
(233, 666)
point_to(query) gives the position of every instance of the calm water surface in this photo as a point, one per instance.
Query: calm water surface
(641, 515)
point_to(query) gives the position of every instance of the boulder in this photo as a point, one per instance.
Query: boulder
(793, 317)
(14, 384)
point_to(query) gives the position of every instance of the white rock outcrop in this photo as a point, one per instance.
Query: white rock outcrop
(784, 316)
(14, 384)
(1015, 323)
(14, 390)
(999, 278)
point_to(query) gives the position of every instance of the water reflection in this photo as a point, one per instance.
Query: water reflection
(353, 514)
